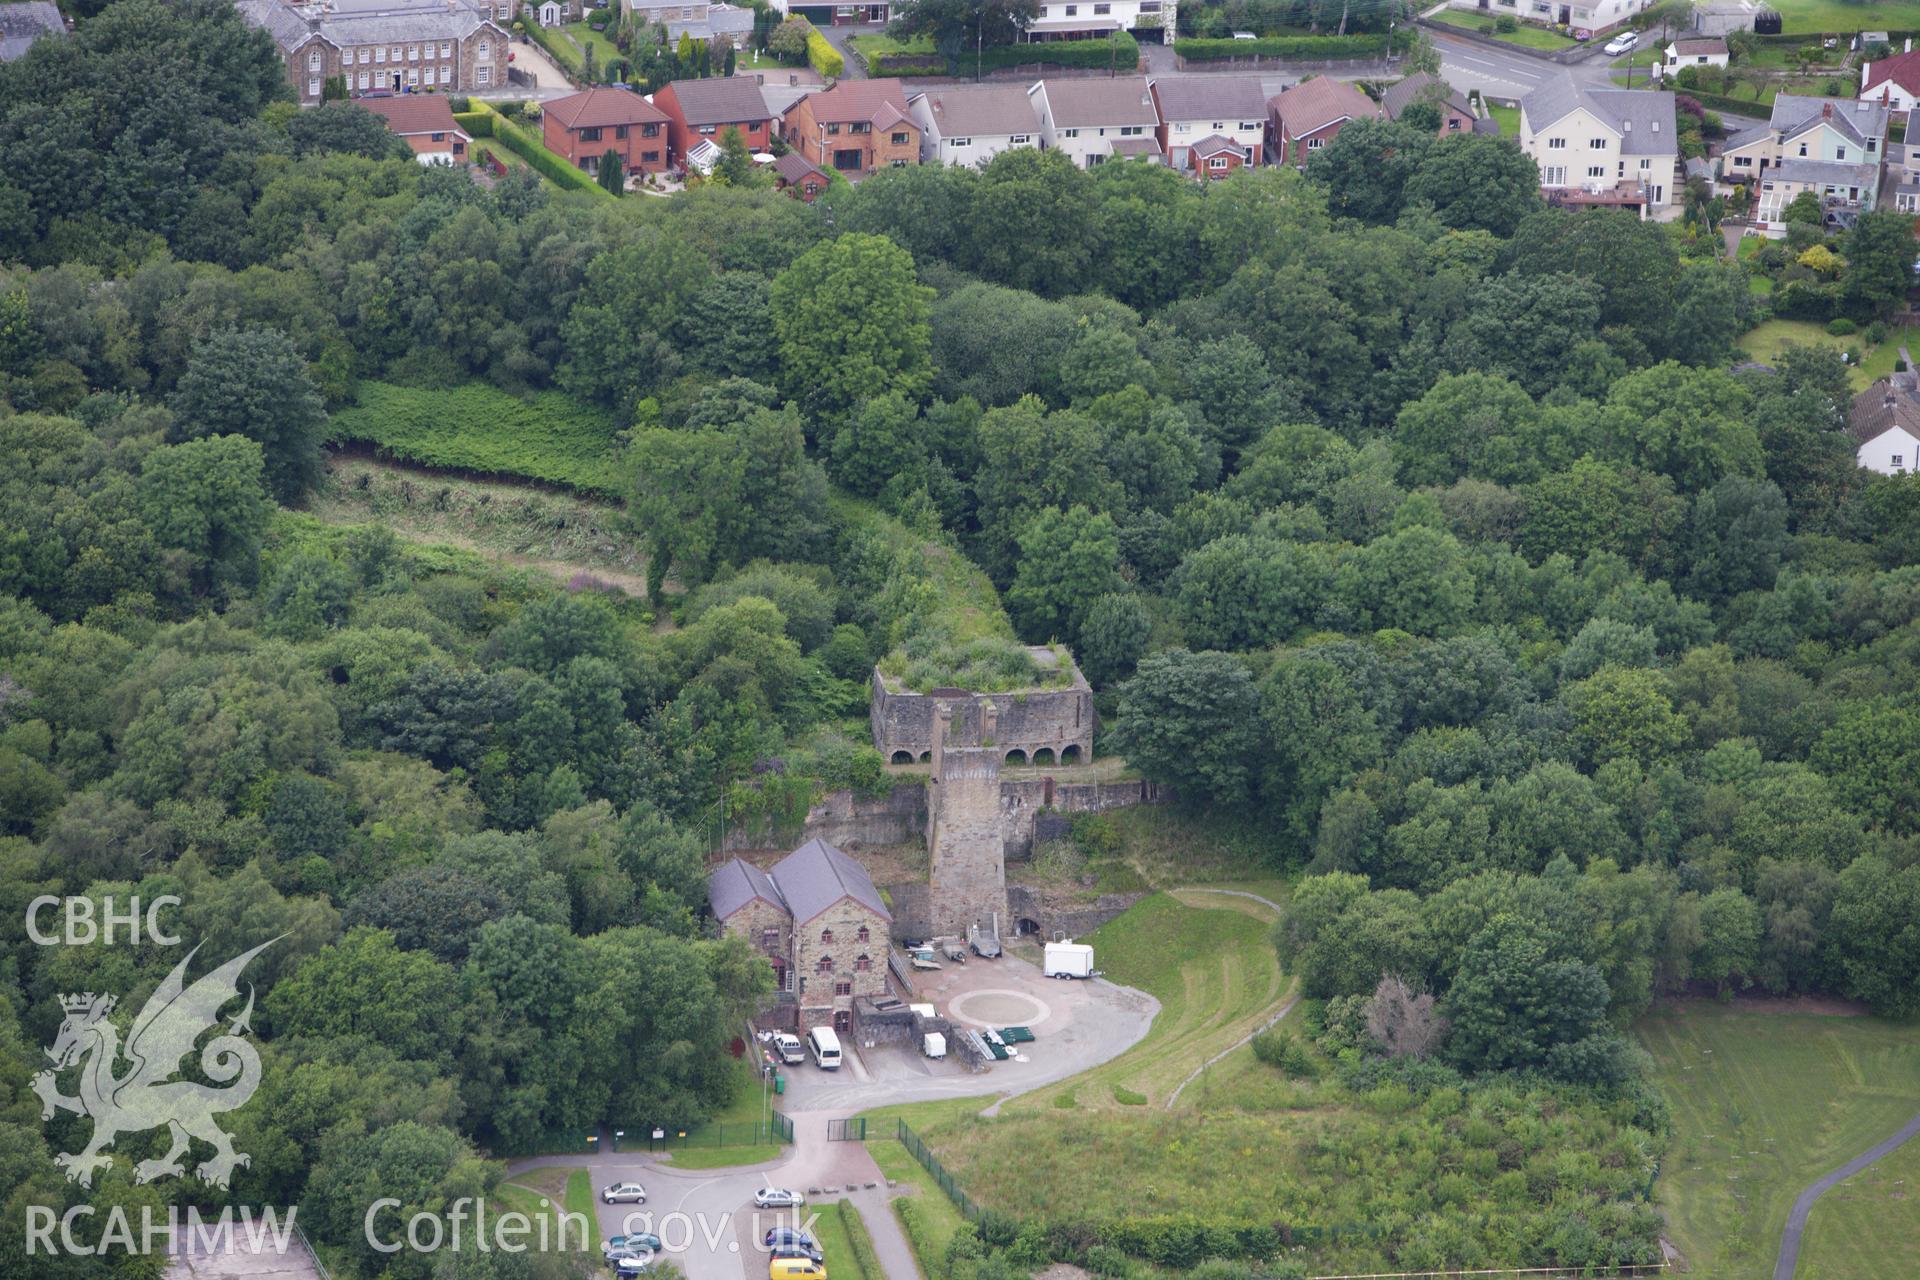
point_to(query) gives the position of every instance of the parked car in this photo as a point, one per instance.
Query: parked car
(790, 1242)
(638, 1242)
(624, 1193)
(1621, 43)
(777, 1198)
(632, 1264)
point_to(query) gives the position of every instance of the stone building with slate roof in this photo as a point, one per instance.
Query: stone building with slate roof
(22, 24)
(818, 920)
(385, 46)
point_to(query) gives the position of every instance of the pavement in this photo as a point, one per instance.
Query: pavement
(1789, 1258)
(706, 1218)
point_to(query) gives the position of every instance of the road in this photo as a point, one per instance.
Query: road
(1789, 1258)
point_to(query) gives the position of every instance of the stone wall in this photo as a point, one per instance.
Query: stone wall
(1070, 919)
(845, 919)
(767, 929)
(965, 837)
(1059, 722)
(1022, 801)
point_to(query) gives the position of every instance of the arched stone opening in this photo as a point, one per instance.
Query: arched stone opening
(1070, 754)
(1016, 756)
(1043, 755)
(903, 757)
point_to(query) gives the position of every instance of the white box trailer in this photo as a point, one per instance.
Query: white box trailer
(1067, 960)
(934, 1045)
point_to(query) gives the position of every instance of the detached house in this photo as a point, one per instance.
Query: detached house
(1310, 115)
(1092, 121)
(1211, 108)
(971, 124)
(1610, 148)
(703, 110)
(854, 128)
(1697, 51)
(1829, 146)
(819, 922)
(1894, 80)
(425, 122)
(1456, 113)
(1885, 425)
(583, 127)
(376, 46)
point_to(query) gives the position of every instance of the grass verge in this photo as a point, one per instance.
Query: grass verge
(536, 1192)
(723, 1157)
(927, 1216)
(1526, 36)
(1763, 1104)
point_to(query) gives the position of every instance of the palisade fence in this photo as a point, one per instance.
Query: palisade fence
(920, 1151)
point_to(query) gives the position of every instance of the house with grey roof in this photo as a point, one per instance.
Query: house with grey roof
(1092, 121)
(819, 921)
(22, 24)
(1829, 146)
(1456, 113)
(1885, 425)
(1193, 108)
(1605, 148)
(386, 46)
(971, 124)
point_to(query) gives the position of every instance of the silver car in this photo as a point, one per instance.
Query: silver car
(625, 1193)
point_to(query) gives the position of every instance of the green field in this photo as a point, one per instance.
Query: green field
(927, 1216)
(585, 37)
(474, 427)
(533, 1192)
(1805, 17)
(1764, 1103)
(1531, 37)
(1765, 341)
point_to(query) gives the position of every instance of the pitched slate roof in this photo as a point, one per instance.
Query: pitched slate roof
(817, 875)
(1855, 120)
(384, 22)
(1902, 69)
(1694, 46)
(990, 110)
(794, 167)
(1644, 120)
(1213, 144)
(1095, 104)
(1223, 98)
(858, 101)
(1405, 93)
(414, 113)
(736, 883)
(22, 24)
(600, 107)
(1887, 404)
(720, 100)
(1312, 105)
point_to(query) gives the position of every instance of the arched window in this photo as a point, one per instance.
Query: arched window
(863, 964)
(826, 937)
(862, 935)
(825, 965)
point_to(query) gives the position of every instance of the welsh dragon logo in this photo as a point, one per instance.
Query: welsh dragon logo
(146, 1096)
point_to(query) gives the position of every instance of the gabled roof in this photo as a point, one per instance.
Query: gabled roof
(859, 102)
(990, 110)
(1902, 69)
(1100, 104)
(358, 22)
(794, 167)
(1694, 46)
(1414, 88)
(1224, 98)
(1853, 119)
(22, 24)
(414, 113)
(1887, 404)
(600, 107)
(1312, 105)
(737, 883)
(1642, 119)
(817, 875)
(719, 100)
(1214, 144)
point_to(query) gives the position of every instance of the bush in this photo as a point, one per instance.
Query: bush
(1284, 1051)
(1506, 24)
(1840, 326)
(598, 19)
(864, 1257)
(1312, 48)
(823, 57)
(1877, 332)
(913, 1221)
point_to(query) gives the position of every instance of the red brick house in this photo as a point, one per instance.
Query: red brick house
(855, 127)
(1309, 116)
(425, 121)
(703, 110)
(795, 175)
(585, 126)
(1215, 156)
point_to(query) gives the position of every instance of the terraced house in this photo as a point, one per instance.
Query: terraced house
(386, 46)
(1829, 146)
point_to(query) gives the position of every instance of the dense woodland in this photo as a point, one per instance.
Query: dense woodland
(1425, 527)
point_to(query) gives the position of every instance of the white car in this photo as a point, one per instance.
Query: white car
(1621, 43)
(777, 1198)
(625, 1193)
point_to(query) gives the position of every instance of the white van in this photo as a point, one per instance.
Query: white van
(826, 1048)
(787, 1045)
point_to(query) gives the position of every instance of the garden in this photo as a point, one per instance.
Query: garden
(1505, 28)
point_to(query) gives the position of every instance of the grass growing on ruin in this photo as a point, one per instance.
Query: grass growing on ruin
(1763, 1104)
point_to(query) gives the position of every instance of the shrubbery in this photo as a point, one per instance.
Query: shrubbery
(474, 427)
(1306, 48)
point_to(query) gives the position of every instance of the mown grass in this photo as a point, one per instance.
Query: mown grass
(1508, 118)
(927, 1216)
(723, 1157)
(1763, 1104)
(1766, 340)
(1530, 37)
(533, 1192)
(1814, 17)
(474, 427)
(830, 1232)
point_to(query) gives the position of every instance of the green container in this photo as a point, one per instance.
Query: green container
(779, 1083)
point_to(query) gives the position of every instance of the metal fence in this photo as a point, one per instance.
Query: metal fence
(782, 1127)
(918, 1149)
(854, 1130)
(743, 1133)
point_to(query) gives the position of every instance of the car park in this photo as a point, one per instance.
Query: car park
(624, 1193)
(777, 1198)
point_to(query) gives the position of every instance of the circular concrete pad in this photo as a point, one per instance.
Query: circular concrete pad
(999, 1007)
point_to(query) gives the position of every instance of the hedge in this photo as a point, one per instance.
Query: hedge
(864, 1256)
(823, 57)
(1302, 48)
(564, 51)
(477, 124)
(529, 148)
(1122, 51)
(920, 1236)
